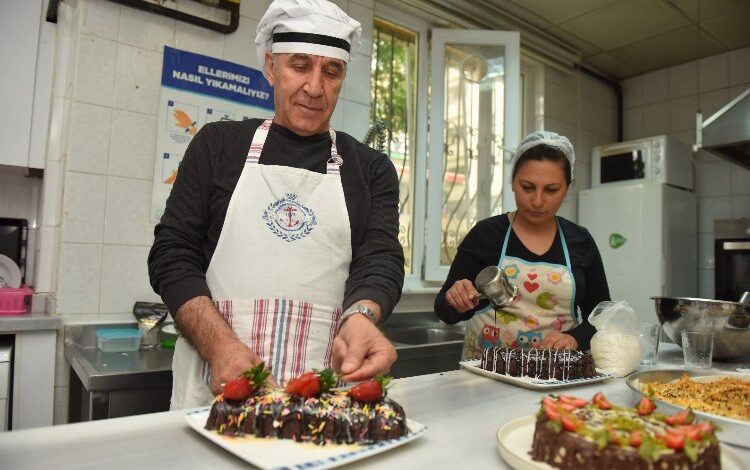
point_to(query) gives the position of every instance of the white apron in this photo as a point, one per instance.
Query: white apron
(278, 272)
(545, 302)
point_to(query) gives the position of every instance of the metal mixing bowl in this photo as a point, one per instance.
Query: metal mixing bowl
(730, 322)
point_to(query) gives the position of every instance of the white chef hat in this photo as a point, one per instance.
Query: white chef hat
(550, 139)
(316, 27)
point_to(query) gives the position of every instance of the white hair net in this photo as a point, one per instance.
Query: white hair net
(551, 139)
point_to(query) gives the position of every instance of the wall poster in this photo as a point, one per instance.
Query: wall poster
(195, 90)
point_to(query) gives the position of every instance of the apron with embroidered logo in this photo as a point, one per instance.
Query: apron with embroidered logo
(545, 302)
(278, 272)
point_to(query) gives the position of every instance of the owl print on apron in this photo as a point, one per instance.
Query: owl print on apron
(545, 302)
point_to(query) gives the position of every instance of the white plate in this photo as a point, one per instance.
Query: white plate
(515, 437)
(274, 453)
(532, 383)
(10, 274)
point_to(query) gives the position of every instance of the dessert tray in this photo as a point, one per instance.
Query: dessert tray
(514, 440)
(731, 430)
(271, 453)
(530, 382)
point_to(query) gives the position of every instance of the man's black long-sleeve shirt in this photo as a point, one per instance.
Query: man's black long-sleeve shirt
(482, 246)
(186, 237)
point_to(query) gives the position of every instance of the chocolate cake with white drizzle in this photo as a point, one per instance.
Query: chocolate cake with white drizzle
(544, 364)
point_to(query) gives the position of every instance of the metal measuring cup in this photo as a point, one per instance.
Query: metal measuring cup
(493, 285)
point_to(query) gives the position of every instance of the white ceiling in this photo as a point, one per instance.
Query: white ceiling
(621, 38)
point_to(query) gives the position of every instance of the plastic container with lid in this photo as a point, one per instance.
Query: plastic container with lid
(118, 339)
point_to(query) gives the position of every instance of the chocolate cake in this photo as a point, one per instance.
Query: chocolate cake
(572, 433)
(331, 417)
(560, 364)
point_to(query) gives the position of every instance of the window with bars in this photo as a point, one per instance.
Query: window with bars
(393, 113)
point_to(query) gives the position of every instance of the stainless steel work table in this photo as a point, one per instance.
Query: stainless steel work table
(462, 411)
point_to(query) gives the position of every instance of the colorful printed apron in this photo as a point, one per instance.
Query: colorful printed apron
(278, 272)
(545, 302)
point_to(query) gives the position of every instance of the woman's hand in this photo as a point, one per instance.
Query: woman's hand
(556, 340)
(462, 296)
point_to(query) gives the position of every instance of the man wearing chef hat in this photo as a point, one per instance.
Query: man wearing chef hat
(279, 239)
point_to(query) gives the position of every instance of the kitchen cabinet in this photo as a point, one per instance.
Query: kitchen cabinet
(27, 49)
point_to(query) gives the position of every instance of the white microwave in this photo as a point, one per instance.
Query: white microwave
(659, 158)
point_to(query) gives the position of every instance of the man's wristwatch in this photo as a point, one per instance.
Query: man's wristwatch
(358, 308)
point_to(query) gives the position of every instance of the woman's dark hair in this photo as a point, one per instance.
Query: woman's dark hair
(544, 152)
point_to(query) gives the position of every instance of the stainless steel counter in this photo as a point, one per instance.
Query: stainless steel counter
(462, 411)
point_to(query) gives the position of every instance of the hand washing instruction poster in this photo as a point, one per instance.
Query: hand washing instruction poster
(195, 90)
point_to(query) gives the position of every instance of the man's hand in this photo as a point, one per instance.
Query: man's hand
(556, 340)
(202, 324)
(361, 351)
(229, 361)
(462, 296)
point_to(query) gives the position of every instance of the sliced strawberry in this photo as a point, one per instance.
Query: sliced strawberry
(571, 423)
(646, 406)
(672, 440)
(636, 439)
(371, 390)
(551, 411)
(601, 401)
(239, 388)
(683, 417)
(705, 427)
(311, 384)
(575, 401)
(566, 407)
(691, 431)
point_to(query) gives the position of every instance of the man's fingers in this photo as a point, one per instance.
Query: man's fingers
(339, 353)
(355, 355)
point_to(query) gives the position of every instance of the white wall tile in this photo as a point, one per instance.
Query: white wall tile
(83, 208)
(740, 206)
(656, 118)
(656, 86)
(47, 260)
(364, 15)
(735, 91)
(632, 92)
(138, 79)
(127, 212)
(78, 279)
(95, 70)
(254, 9)
(356, 119)
(89, 138)
(713, 72)
(682, 113)
(632, 126)
(239, 47)
(200, 40)
(100, 19)
(739, 67)
(685, 136)
(706, 251)
(740, 180)
(706, 283)
(582, 175)
(560, 102)
(713, 179)
(710, 209)
(683, 80)
(145, 30)
(357, 81)
(52, 190)
(19, 197)
(712, 101)
(124, 278)
(132, 148)
(569, 207)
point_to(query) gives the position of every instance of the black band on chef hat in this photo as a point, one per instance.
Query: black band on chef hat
(312, 38)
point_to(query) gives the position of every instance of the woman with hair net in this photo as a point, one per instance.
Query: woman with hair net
(554, 262)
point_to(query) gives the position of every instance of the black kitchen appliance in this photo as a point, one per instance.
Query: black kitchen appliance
(732, 258)
(14, 234)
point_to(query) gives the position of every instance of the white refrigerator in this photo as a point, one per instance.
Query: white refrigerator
(647, 235)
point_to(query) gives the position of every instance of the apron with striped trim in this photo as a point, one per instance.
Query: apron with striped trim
(278, 272)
